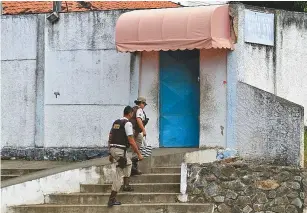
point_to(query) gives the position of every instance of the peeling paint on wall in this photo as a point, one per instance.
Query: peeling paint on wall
(86, 52)
(212, 97)
(269, 127)
(33, 192)
(149, 88)
(279, 70)
(81, 64)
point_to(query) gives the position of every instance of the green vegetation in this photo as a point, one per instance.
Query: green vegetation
(305, 146)
(299, 6)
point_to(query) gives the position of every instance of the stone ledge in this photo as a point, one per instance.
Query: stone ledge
(238, 186)
(53, 154)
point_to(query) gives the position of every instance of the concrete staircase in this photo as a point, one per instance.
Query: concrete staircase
(154, 192)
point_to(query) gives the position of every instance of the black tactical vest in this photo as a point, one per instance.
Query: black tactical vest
(118, 132)
(134, 122)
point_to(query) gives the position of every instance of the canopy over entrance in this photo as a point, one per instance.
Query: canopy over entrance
(174, 29)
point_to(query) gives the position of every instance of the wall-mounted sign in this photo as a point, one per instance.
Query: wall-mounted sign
(259, 28)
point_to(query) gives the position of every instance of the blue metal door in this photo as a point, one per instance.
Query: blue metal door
(179, 98)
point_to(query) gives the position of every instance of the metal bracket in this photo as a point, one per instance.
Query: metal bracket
(56, 94)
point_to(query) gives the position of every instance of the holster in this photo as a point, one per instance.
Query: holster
(138, 130)
(145, 121)
(122, 161)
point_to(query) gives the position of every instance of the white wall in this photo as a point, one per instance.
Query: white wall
(33, 192)
(92, 78)
(79, 125)
(18, 103)
(95, 82)
(280, 69)
(149, 88)
(291, 52)
(77, 58)
(135, 65)
(213, 88)
(258, 67)
(87, 77)
(18, 37)
(269, 128)
(255, 62)
(18, 73)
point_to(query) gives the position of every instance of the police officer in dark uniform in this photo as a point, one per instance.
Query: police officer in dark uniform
(120, 138)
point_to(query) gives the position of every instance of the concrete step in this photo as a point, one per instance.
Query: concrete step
(166, 170)
(124, 208)
(5, 177)
(18, 171)
(138, 187)
(102, 198)
(156, 178)
(172, 160)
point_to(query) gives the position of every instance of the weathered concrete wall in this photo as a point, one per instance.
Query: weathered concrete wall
(92, 78)
(291, 57)
(149, 88)
(77, 58)
(278, 69)
(135, 64)
(20, 36)
(98, 77)
(213, 76)
(18, 103)
(35, 191)
(269, 128)
(18, 87)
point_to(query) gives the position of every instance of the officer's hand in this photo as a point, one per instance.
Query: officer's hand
(144, 133)
(111, 159)
(140, 157)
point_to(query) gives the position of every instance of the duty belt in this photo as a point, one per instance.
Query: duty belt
(118, 146)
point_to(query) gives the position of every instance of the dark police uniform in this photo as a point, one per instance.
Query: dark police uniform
(121, 129)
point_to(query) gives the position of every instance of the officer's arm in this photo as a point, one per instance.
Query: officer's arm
(140, 123)
(109, 141)
(129, 133)
(111, 159)
(110, 138)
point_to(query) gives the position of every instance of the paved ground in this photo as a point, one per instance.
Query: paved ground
(24, 164)
(53, 167)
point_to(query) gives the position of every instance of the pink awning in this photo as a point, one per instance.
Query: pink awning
(174, 29)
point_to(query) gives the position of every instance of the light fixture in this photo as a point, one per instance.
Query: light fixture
(54, 16)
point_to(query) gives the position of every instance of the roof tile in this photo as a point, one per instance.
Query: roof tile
(30, 7)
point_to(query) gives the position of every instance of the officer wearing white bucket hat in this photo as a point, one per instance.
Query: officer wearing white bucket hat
(139, 121)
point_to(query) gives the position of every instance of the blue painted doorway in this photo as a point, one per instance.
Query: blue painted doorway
(179, 98)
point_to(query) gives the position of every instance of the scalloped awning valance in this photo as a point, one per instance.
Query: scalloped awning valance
(174, 29)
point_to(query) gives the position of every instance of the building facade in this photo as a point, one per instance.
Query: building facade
(64, 84)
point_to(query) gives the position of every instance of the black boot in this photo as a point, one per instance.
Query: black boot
(134, 168)
(112, 200)
(127, 187)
